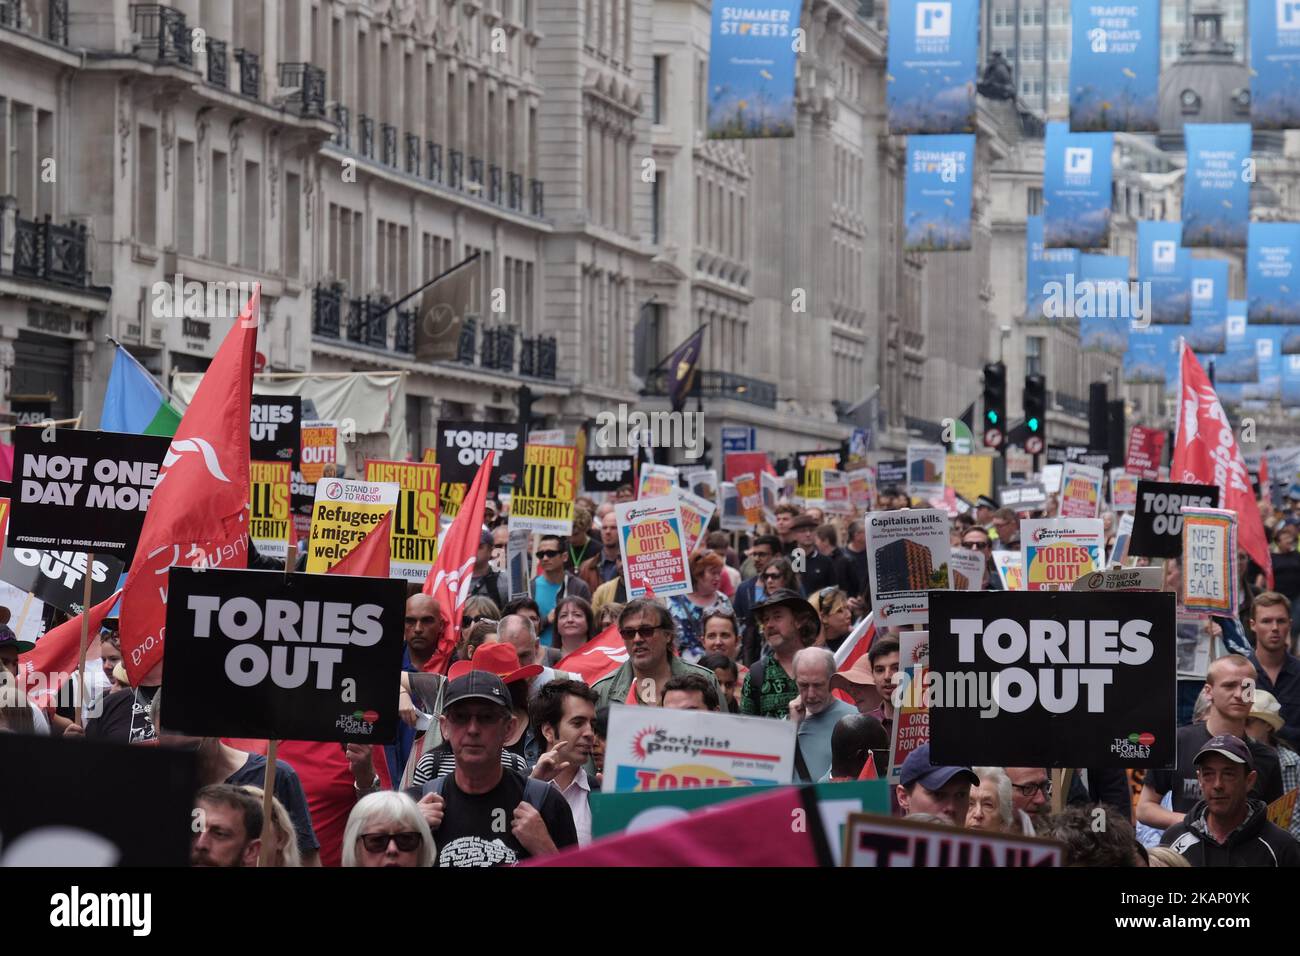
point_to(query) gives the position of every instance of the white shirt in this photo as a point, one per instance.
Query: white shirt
(575, 795)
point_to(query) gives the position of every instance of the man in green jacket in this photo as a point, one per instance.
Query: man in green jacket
(649, 635)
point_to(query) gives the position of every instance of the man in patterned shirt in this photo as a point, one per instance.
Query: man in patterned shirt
(789, 624)
(1263, 726)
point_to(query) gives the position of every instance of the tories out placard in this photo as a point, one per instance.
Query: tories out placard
(652, 537)
(1056, 552)
(275, 428)
(607, 472)
(267, 655)
(1052, 679)
(462, 446)
(84, 491)
(1158, 517)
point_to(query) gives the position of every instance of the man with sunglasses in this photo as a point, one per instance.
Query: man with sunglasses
(483, 814)
(649, 635)
(552, 583)
(977, 539)
(752, 591)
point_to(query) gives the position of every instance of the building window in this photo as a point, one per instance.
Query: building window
(1031, 17)
(185, 197)
(250, 230)
(1034, 195)
(1031, 51)
(656, 211)
(218, 250)
(660, 93)
(1034, 355)
(146, 219)
(1004, 17)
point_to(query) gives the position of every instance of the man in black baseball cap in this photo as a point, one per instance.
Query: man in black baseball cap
(1226, 827)
(926, 788)
(483, 814)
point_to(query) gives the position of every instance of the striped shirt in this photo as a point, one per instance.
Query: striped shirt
(441, 762)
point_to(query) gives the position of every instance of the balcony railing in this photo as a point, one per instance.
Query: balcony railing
(57, 28)
(164, 37)
(1068, 403)
(343, 120)
(389, 133)
(516, 191)
(498, 348)
(476, 170)
(50, 252)
(326, 306)
(537, 356)
(412, 154)
(11, 14)
(308, 82)
(455, 174)
(494, 184)
(366, 133)
(218, 64)
(250, 73)
(468, 335)
(717, 384)
(535, 191)
(404, 334)
(434, 151)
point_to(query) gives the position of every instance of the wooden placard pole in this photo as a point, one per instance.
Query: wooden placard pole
(272, 746)
(85, 635)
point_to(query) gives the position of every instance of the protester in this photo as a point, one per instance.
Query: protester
(785, 515)
(486, 582)
(789, 623)
(575, 624)
(1031, 793)
(977, 539)
(859, 684)
(828, 547)
(690, 692)
(1006, 530)
(286, 852)
(688, 609)
(832, 606)
(1263, 726)
(649, 634)
(562, 715)
(1093, 836)
(815, 711)
(10, 648)
(607, 615)
(816, 570)
(227, 827)
(752, 591)
(483, 814)
(1165, 857)
(991, 803)
(1227, 827)
(856, 552)
(924, 787)
(517, 630)
(719, 542)
(552, 583)
(883, 657)
(1277, 670)
(607, 563)
(856, 740)
(580, 547)
(727, 673)
(387, 829)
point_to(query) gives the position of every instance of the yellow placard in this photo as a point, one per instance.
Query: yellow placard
(1281, 809)
(414, 541)
(319, 449)
(543, 500)
(811, 489)
(268, 502)
(344, 512)
(969, 475)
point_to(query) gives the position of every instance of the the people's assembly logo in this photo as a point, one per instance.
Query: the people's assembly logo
(1133, 747)
(358, 722)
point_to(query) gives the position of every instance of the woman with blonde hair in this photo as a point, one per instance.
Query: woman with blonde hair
(286, 838)
(387, 829)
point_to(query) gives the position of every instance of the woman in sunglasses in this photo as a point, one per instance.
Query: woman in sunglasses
(832, 606)
(387, 829)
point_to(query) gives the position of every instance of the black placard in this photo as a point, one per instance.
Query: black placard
(462, 447)
(801, 461)
(1158, 517)
(891, 473)
(57, 577)
(1025, 497)
(275, 428)
(607, 472)
(264, 655)
(82, 490)
(1077, 682)
(85, 803)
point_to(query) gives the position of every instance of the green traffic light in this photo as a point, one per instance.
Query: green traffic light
(993, 417)
(1033, 424)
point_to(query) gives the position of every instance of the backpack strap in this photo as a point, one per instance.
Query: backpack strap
(534, 790)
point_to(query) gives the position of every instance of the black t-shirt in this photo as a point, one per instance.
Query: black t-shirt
(1187, 787)
(288, 790)
(125, 718)
(476, 829)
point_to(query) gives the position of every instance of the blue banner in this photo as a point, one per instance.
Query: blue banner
(1209, 329)
(1290, 385)
(1104, 307)
(939, 192)
(932, 62)
(1290, 341)
(1162, 270)
(752, 68)
(1266, 387)
(1114, 66)
(1046, 270)
(1275, 64)
(1240, 350)
(1216, 190)
(1147, 357)
(1272, 280)
(1076, 188)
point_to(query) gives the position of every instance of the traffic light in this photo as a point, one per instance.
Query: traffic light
(525, 406)
(1035, 402)
(706, 460)
(995, 405)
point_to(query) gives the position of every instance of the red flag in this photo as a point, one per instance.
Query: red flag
(48, 665)
(198, 512)
(449, 578)
(369, 559)
(1206, 451)
(599, 657)
(855, 646)
(869, 768)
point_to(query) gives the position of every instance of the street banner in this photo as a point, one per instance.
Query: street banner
(1123, 490)
(344, 513)
(752, 70)
(1076, 188)
(413, 542)
(911, 715)
(696, 512)
(1027, 497)
(862, 490)
(517, 562)
(319, 451)
(1162, 268)
(543, 500)
(1272, 258)
(83, 490)
(654, 748)
(138, 813)
(875, 841)
(751, 499)
(652, 539)
(1052, 478)
(1209, 329)
(1148, 359)
(275, 428)
(1274, 49)
(1123, 579)
(1216, 189)
(1056, 552)
(703, 482)
(269, 527)
(462, 446)
(931, 73)
(925, 470)
(1053, 679)
(810, 465)
(730, 515)
(1080, 491)
(1114, 66)
(966, 570)
(1123, 535)
(657, 481)
(607, 472)
(1209, 581)
(1146, 448)
(1046, 271)
(270, 655)
(754, 462)
(937, 198)
(1010, 565)
(835, 492)
(1158, 517)
(891, 473)
(1104, 302)
(969, 475)
(769, 486)
(907, 553)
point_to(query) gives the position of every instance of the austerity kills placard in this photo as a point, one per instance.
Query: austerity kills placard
(83, 490)
(607, 472)
(268, 502)
(344, 513)
(267, 655)
(414, 540)
(275, 428)
(1145, 449)
(653, 541)
(1056, 552)
(1158, 518)
(1052, 679)
(543, 500)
